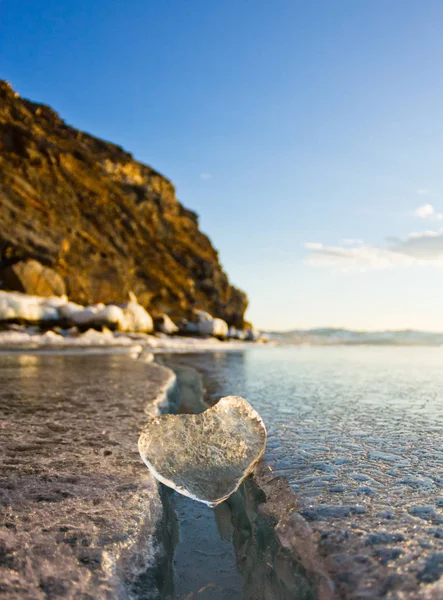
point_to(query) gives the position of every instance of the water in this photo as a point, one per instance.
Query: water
(357, 431)
(204, 559)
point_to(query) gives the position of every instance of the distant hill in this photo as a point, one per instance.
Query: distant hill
(330, 336)
(101, 221)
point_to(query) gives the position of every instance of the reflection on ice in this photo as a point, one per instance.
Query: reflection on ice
(205, 456)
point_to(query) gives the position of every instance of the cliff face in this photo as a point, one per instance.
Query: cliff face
(105, 223)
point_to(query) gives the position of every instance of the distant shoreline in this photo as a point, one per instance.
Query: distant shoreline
(107, 341)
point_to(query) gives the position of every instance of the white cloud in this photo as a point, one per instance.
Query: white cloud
(361, 258)
(424, 212)
(427, 211)
(424, 248)
(423, 191)
(205, 175)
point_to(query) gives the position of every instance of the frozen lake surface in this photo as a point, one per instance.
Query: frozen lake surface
(357, 431)
(80, 515)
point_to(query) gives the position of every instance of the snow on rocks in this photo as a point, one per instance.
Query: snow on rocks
(236, 334)
(69, 310)
(31, 337)
(129, 317)
(136, 318)
(188, 328)
(18, 306)
(91, 315)
(252, 335)
(120, 324)
(72, 339)
(209, 325)
(165, 324)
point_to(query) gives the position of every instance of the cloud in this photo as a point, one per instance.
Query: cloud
(424, 248)
(205, 175)
(427, 211)
(423, 191)
(424, 212)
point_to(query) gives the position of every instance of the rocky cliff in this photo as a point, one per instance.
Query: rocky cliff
(98, 223)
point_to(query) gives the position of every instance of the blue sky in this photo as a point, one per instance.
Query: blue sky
(307, 135)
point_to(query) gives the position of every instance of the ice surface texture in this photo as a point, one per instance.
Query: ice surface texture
(81, 517)
(358, 433)
(205, 456)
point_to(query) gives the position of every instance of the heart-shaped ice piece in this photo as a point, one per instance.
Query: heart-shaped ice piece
(205, 456)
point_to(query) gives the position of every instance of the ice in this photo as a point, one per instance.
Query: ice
(135, 316)
(209, 325)
(91, 338)
(205, 456)
(167, 325)
(128, 317)
(80, 520)
(22, 336)
(14, 305)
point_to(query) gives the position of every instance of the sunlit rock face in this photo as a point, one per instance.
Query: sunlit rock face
(133, 234)
(205, 456)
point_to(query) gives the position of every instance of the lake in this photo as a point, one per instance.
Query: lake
(357, 432)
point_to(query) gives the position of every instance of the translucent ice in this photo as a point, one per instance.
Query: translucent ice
(205, 456)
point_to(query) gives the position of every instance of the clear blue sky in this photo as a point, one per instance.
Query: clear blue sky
(305, 133)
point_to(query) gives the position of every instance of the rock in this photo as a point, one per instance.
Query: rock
(128, 317)
(236, 334)
(217, 328)
(164, 324)
(188, 327)
(90, 315)
(252, 335)
(96, 315)
(31, 277)
(23, 307)
(205, 456)
(136, 318)
(208, 325)
(69, 310)
(104, 222)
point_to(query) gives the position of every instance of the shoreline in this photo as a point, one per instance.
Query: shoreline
(19, 339)
(14, 340)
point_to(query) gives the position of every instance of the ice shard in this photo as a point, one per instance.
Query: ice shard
(205, 456)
